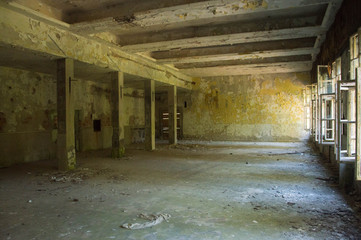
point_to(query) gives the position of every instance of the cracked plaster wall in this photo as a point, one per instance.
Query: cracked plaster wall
(28, 118)
(246, 108)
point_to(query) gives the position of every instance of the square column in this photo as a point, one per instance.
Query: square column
(358, 125)
(117, 84)
(172, 109)
(149, 107)
(65, 107)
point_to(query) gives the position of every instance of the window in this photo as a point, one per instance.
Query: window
(314, 111)
(307, 105)
(326, 105)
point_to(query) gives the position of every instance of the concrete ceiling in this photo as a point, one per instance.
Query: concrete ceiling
(204, 38)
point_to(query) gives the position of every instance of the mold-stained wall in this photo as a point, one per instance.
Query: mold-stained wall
(92, 99)
(254, 107)
(134, 115)
(134, 107)
(28, 115)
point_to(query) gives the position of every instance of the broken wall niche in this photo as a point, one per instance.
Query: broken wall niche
(246, 108)
(28, 115)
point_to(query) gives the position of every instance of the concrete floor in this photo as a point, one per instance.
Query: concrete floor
(217, 190)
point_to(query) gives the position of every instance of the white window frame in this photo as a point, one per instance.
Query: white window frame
(326, 97)
(307, 106)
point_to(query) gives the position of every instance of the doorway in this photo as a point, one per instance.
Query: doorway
(164, 124)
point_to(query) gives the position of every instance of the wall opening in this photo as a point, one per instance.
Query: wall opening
(97, 127)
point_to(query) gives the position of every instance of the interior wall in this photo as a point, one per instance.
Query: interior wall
(92, 99)
(246, 108)
(28, 115)
(134, 115)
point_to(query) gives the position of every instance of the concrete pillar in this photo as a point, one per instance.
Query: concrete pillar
(117, 83)
(172, 109)
(346, 176)
(65, 107)
(149, 101)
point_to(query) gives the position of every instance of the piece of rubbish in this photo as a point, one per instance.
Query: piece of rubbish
(152, 221)
(29, 201)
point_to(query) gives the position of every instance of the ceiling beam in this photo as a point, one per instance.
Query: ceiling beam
(222, 63)
(227, 39)
(239, 56)
(201, 12)
(282, 67)
(328, 19)
(245, 48)
(232, 27)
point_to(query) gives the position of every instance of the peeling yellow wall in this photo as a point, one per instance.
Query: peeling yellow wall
(27, 116)
(134, 107)
(256, 107)
(134, 115)
(92, 99)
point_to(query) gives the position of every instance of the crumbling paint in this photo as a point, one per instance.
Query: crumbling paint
(2, 120)
(27, 33)
(258, 107)
(134, 121)
(25, 126)
(254, 4)
(134, 107)
(28, 118)
(71, 159)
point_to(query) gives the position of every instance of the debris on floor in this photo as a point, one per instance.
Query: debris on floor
(286, 153)
(329, 179)
(75, 176)
(152, 221)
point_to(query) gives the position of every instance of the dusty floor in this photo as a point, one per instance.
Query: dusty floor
(211, 190)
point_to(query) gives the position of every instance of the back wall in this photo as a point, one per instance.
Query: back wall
(246, 108)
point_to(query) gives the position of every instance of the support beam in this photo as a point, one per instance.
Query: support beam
(250, 69)
(172, 117)
(244, 62)
(24, 32)
(227, 39)
(149, 107)
(65, 107)
(328, 19)
(117, 82)
(240, 56)
(240, 49)
(284, 21)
